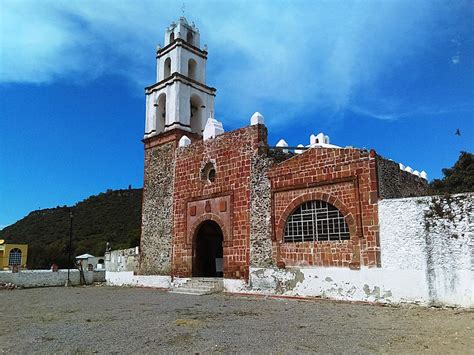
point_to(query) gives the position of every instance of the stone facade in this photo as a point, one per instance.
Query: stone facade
(345, 178)
(261, 228)
(157, 216)
(397, 183)
(231, 154)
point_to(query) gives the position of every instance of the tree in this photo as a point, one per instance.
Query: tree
(459, 178)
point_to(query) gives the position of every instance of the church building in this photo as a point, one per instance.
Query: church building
(218, 204)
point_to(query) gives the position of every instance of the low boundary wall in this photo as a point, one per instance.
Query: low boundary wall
(46, 278)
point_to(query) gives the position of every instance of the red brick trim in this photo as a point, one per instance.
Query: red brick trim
(349, 218)
(208, 217)
(315, 184)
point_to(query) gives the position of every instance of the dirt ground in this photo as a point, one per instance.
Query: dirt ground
(124, 320)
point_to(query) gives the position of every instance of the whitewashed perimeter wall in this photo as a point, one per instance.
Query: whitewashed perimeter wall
(122, 266)
(47, 278)
(122, 260)
(427, 247)
(432, 238)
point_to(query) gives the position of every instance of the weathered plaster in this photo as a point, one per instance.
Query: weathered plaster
(432, 236)
(127, 278)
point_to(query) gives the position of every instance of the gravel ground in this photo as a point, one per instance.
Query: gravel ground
(124, 320)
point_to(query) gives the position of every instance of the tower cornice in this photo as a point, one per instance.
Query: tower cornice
(177, 77)
(179, 42)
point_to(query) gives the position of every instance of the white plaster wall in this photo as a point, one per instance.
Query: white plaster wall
(183, 113)
(127, 278)
(122, 260)
(184, 56)
(369, 285)
(179, 63)
(433, 236)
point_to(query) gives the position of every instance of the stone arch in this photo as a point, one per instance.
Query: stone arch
(167, 68)
(171, 37)
(295, 203)
(211, 217)
(208, 247)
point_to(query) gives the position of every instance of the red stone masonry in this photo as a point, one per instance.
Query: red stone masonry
(226, 200)
(345, 178)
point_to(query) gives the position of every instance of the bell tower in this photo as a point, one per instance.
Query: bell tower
(180, 98)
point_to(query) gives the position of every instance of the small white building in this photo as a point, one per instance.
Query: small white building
(91, 262)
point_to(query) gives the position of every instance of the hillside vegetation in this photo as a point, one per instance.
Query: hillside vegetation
(458, 178)
(114, 216)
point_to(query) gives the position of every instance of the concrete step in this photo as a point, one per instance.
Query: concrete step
(199, 286)
(191, 291)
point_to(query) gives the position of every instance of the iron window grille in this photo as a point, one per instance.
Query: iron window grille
(316, 221)
(15, 257)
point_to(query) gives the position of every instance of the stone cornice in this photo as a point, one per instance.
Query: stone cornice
(179, 42)
(182, 78)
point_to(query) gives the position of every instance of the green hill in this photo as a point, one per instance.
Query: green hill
(114, 216)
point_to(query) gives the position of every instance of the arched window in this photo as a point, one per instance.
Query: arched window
(171, 37)
(14, 257)
(190, 38)
(192, 69)
(161, 113)
(195, 111)
(316, 221)
(167, 68)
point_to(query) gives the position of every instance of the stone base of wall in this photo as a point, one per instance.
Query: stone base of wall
(365, 285)
(47, 278)
(127, 278)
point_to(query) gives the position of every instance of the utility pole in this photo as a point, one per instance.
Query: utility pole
(71, 217)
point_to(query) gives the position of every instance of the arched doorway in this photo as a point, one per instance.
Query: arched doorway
(208, 251)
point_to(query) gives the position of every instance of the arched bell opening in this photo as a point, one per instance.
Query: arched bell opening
(196, 113)
(167, 68)
(190, 38)
(192, 69)
(161, 113)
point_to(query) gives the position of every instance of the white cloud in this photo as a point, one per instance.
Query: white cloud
(294, 55)
(389, 114)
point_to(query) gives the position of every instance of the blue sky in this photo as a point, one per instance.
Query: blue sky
(395, 76)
